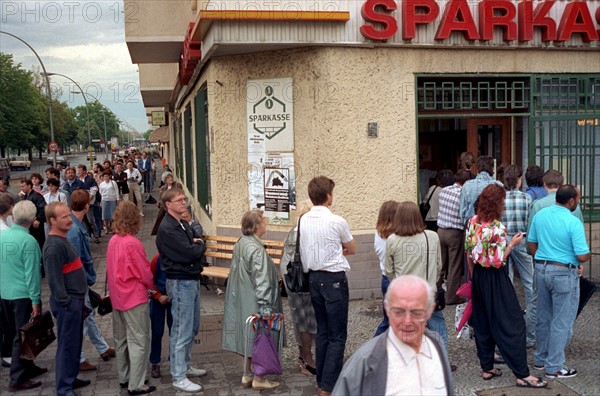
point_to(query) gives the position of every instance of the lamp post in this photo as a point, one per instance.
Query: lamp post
(87, 110)
(47, 88)
(104, 117)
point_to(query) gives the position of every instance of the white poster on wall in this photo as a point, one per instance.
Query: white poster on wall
(270, 109)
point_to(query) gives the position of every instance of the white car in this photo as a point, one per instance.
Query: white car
(20, 163)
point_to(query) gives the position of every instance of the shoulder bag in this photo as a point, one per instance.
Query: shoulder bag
(440, 295)
(105, 306)
(295, 278)
(424, 206)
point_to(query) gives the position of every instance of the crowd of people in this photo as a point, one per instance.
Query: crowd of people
(476, 230)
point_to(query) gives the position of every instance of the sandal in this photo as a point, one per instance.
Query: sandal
(495, 372)
(539, 383)
(305, 368)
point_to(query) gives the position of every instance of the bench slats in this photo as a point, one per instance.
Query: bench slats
(221, 247)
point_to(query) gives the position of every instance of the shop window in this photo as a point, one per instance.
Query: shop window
(202, 150)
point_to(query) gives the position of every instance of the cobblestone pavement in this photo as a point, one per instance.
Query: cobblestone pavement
(224, 368)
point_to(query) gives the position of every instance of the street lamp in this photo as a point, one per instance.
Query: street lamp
(104, 117)
(47, 88)
(87, 110)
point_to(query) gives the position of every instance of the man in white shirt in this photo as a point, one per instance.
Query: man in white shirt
(405, 360)
(325, 239)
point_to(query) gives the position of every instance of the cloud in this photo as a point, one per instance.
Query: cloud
(84, 40)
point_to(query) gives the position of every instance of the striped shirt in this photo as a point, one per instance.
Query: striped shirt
(449, 208)
(516, 212)
(321, 236)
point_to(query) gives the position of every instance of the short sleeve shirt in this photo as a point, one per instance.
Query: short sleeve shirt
(486, 244)
(560, 235)
(321, 236)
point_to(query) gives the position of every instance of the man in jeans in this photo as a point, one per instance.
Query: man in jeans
(181, 259)
(557, 241)
(325, 240)
(66, 280)
(515, 218)
(77, 235)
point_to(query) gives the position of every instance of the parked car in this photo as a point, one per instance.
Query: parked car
(59, 160)
(4, 169)
(19, 163)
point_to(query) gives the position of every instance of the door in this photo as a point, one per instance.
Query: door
(490, 136)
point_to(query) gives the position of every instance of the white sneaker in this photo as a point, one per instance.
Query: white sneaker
(185, 385)
(195, 372)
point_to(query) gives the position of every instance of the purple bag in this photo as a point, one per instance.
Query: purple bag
(265, 358)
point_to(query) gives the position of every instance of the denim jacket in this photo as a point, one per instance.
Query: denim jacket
(77, 235)
(470, 191)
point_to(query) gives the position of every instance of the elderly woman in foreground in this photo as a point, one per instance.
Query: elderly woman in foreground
(252, 288)
(129, 278)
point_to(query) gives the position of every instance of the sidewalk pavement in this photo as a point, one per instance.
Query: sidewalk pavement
(225, 368)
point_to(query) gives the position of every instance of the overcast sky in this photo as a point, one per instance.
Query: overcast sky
(84, 40)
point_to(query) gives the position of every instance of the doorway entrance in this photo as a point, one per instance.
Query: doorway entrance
(491, 137)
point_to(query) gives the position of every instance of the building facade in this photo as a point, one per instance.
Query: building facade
(262, 96)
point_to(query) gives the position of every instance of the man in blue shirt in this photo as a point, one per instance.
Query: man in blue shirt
(77, 235)
(472, 188)
(557, 241)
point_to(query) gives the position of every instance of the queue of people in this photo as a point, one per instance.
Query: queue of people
(488, 221)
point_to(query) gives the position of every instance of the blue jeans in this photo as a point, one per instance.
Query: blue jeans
(69, 328)
(185, 308)
(523, 261)
(437, 323)
(158, 312)
(385, 323)
(91, 330)
(558, 299)
(330, 298)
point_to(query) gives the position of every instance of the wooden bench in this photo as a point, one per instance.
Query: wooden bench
(221, 248)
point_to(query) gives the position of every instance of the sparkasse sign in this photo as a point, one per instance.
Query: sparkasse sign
(557, 21)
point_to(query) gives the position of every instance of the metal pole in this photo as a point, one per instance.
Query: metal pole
(87, 110)
(47, 88)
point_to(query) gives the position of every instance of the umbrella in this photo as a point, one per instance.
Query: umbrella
(586, 290)
(466, 315)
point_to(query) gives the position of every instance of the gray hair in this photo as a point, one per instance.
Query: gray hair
(405, 280)
(24, 213)
(251, 221)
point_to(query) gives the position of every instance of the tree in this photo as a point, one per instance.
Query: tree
(21, 107)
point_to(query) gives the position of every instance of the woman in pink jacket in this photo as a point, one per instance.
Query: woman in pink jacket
(129, 280)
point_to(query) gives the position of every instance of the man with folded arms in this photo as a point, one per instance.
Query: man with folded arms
(20, 288)
(181, 259)
(325, 240)
(67, 282)
(556, 239)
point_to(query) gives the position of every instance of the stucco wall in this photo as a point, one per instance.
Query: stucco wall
(337, 92)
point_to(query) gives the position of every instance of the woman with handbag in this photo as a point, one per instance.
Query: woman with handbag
(129, 279)
(303, 313)
(497, 317)
(413, 250)
(252, 287)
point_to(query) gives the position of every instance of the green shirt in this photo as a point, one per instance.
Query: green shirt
(20, 265)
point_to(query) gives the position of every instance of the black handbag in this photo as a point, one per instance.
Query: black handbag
(95, 298)
(36, 335)
(295, 278)
(105, 305)
(425, 206)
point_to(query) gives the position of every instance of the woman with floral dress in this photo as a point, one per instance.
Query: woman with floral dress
(497, 317)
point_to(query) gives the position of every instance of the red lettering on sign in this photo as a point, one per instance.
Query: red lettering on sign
(577, 19)
(457, 18)
(372, 15)
(530, 19)
(497, 13)
(416, 12)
